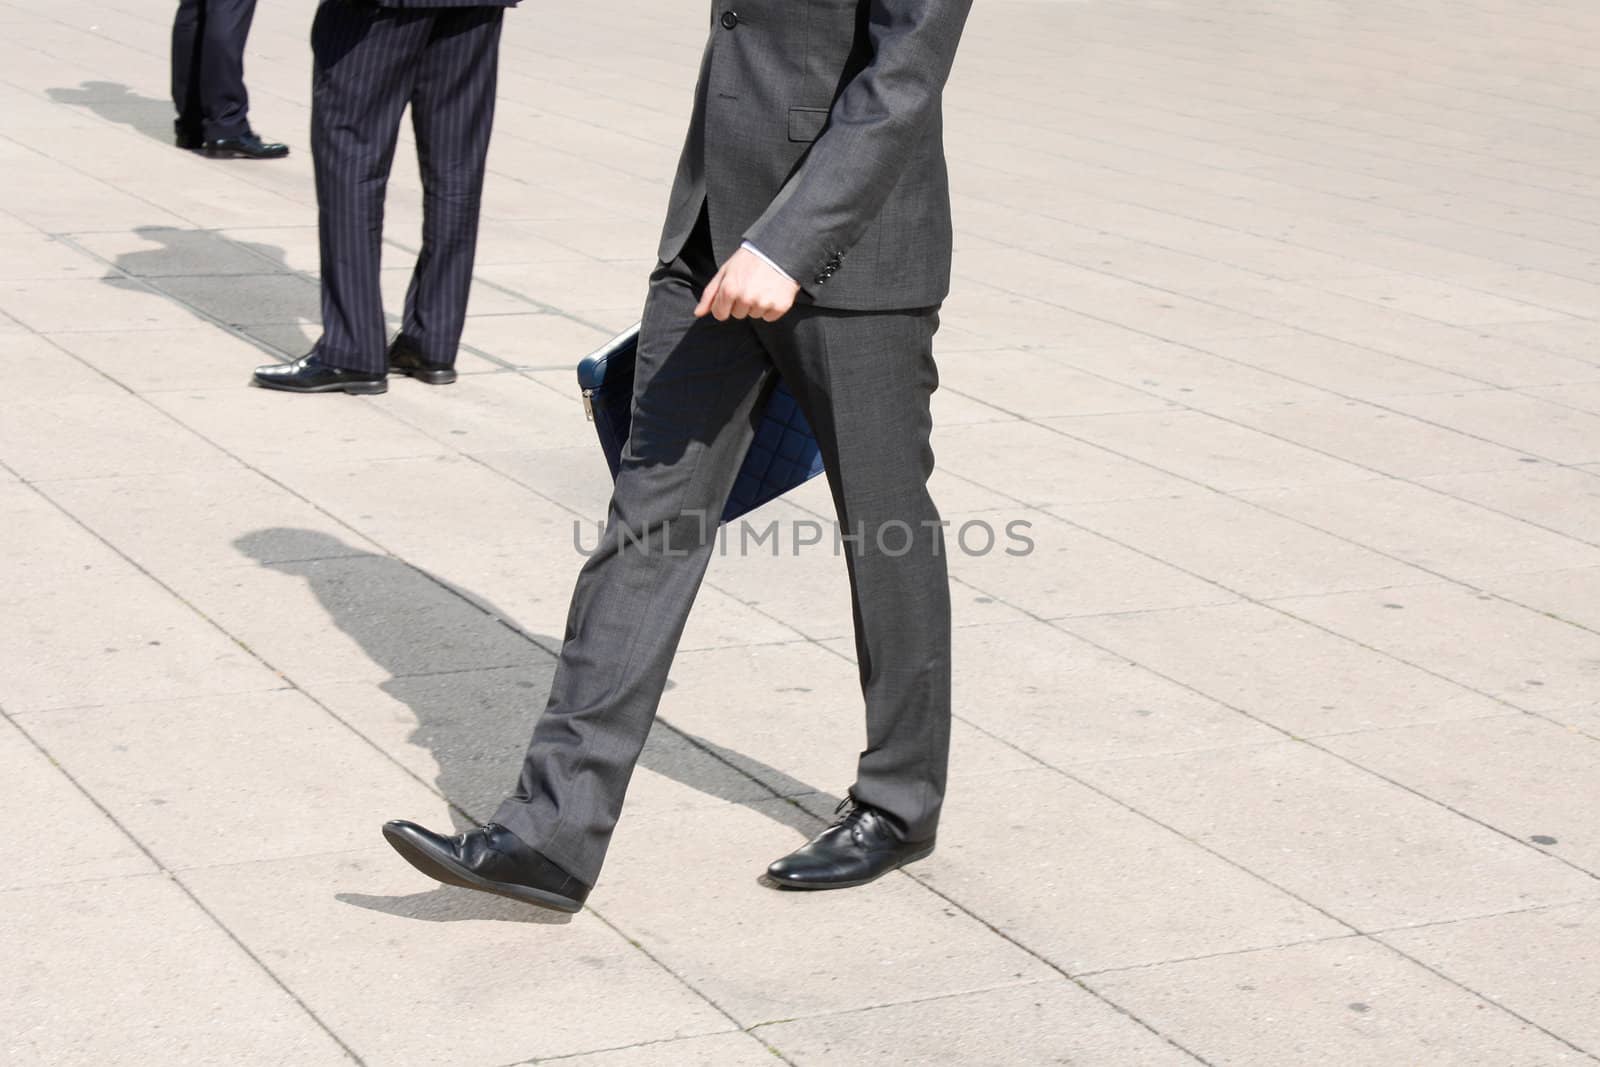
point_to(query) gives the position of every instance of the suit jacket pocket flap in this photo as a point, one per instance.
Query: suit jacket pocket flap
(805, 123)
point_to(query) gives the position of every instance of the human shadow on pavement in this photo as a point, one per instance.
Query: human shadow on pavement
(118, 103)
(247, 286)
(472, 683)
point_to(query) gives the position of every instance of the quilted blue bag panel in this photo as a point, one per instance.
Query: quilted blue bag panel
(783, 455)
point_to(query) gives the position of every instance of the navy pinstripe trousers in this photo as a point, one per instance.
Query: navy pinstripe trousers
(369, 63)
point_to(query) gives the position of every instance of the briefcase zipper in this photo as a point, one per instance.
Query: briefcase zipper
(588, 404)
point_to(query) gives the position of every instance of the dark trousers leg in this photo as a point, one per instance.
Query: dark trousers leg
(365, 61)
(208, 40)
(452, 110)
(864, 381)
(696, 388)
(188, 31)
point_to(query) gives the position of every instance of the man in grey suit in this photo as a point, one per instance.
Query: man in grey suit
(809, 235)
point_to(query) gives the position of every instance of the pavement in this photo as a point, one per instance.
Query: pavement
(1274, 322)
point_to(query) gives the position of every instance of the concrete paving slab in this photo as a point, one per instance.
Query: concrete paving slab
(39, 795)
(350, 618)
(174, 525)
(1379, 438)
(57, 652)
(30, 255)
(1191, 377)
(1136, 893)
(783, 562)
(529, 338)
(718, 1050)
(705, 916)
(430, 501)
(1523, 776)
(1297, 676)
(1049, 1022)
(1338, 367)
(1569, 595)
(499, 413)
(1522, 657)
(290, 434)
(387, 955)
(1543, 428)
(133, 971)
(170, 252)
(1036, 385)
(1064, 701)
(1373, 854)
(1565, 499)
(193, 357)
(1247, 549)
(61, 436)
(1440, 534)
(1490, 957)
(1208, 452)
(111, 303)
(1062, 571)
(1060, 469)
(41, 545)
(323, 794)
(1345, 1002)
(792, 717)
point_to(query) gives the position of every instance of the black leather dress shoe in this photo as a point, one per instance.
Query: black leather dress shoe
(246, 146)
(490, 858)
(306, 375)
(405, 359)
(187, 138)
(858, 848)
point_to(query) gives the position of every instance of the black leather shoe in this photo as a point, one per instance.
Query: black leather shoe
(306, 375)
(405, 359)
(187, 138)
(490, 858)
(246, 146)
(858, 848)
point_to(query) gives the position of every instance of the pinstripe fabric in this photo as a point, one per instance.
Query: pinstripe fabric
(370, 63)
(208, 39)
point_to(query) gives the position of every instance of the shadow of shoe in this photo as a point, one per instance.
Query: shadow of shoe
(448, 904)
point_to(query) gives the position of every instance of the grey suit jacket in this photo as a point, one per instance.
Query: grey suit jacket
(817, 136)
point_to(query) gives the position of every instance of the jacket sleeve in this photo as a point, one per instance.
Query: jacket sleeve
(875, 122)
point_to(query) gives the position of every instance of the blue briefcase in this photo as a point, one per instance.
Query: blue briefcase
(783, 455)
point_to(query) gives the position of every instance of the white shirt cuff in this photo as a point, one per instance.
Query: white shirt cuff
(762, 256)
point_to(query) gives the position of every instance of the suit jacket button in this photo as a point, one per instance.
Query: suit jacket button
(730, 19)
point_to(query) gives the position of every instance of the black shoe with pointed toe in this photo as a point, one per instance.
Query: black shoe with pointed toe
(308, 375)
(861, 846)
(491, 859)
(245, 146)
(405, 359)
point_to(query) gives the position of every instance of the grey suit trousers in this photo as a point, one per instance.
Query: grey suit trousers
(864, 380)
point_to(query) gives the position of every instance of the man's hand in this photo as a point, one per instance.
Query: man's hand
(747, 288)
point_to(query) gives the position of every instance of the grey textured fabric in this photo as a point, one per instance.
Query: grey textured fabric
(370, 63)
(817, 136)
(864, 380)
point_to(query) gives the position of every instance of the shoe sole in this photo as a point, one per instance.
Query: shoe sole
(431, 377)
(225, 153)
(353, 388)
(440, 871)
(920, 854)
